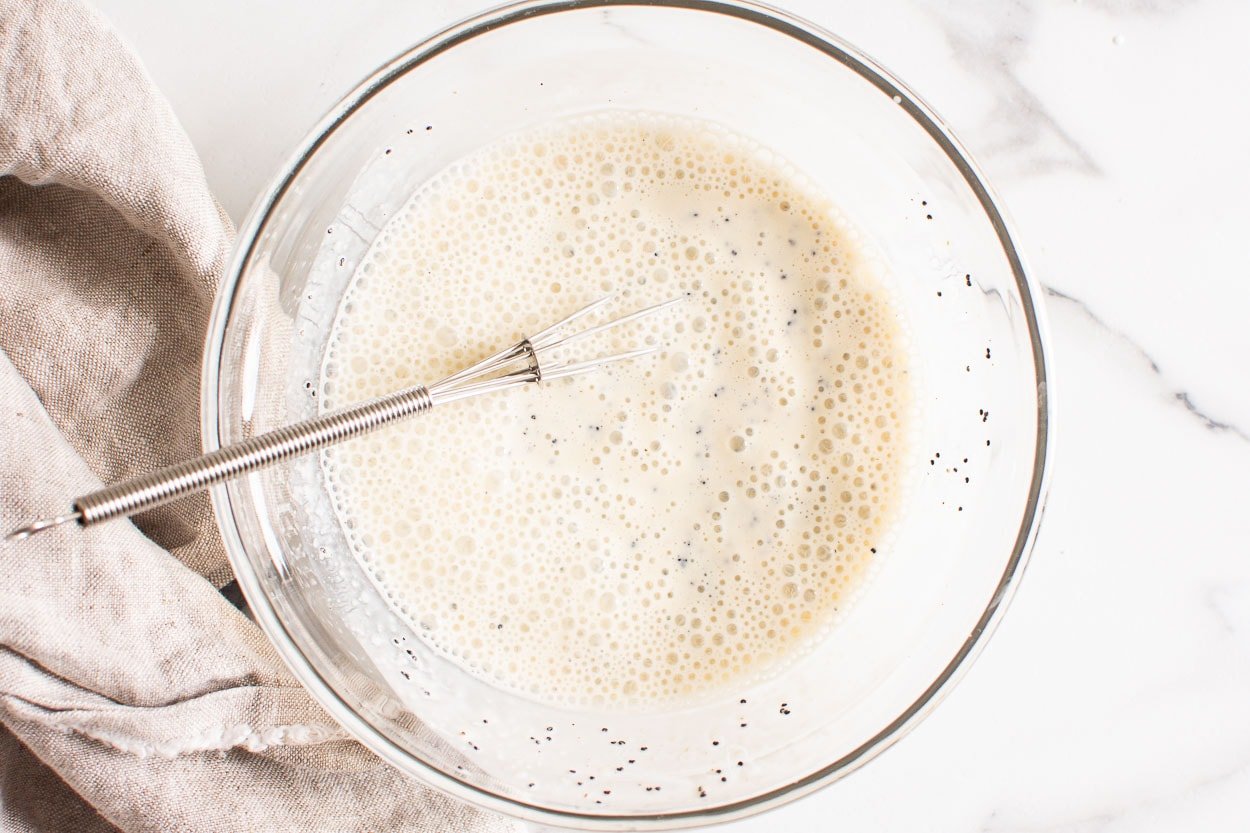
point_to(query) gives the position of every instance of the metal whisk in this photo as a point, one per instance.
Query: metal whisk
(520, 364)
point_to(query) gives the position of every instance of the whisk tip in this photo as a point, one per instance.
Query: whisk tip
(35, 527)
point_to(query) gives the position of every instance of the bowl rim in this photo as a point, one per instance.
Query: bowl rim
(266, 615)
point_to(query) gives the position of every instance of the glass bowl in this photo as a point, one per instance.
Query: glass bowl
(976, 471)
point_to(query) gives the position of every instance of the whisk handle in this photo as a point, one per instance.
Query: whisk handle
(172, 482)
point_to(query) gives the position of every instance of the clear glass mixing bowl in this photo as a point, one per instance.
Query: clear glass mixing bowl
(978, 466)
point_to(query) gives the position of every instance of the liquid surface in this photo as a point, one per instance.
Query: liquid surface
(662, 528)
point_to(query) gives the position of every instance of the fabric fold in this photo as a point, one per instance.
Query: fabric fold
(113, 247)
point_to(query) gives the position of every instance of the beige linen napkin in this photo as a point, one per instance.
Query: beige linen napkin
(133, 696)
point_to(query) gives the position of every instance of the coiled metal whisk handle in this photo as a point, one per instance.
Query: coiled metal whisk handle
(172, 482)
(162, 486)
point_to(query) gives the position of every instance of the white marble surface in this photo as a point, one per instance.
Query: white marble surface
(1116, 696)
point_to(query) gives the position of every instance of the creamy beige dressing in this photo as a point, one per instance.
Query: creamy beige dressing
(661, 528)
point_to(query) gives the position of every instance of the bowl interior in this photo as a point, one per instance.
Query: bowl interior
(975, 462)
